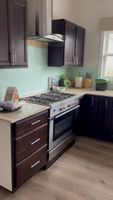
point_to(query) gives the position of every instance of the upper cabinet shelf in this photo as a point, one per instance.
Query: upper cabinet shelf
(71, 52)
(13, 33)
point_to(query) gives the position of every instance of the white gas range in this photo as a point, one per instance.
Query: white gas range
(63, 113)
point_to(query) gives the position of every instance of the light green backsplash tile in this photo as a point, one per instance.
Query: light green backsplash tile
(110, 85)
(30, 79)
(35, 77)
(75, 71)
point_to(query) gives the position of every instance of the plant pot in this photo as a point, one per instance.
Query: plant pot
(78, 82)
(101, 84)
(61, 82)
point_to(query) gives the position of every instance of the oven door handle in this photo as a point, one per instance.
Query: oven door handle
(67, 112)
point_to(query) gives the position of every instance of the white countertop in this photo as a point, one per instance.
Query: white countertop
(107, 93)
(27, 110)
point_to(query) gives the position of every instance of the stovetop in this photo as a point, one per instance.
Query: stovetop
(48, 98)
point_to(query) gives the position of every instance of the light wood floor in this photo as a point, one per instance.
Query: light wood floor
(84, 172)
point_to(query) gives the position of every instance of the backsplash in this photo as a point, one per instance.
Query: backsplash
(35, 77)
(76, 71)
(31, 79)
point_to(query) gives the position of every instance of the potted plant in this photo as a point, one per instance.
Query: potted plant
(101, 84)
(67, 83)
(61, 80)
(64, 81)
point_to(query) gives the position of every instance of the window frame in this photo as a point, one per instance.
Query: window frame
(104, 54)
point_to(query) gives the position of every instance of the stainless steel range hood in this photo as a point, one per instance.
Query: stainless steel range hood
(40, 14)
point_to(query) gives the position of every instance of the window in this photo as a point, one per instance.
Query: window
(107, 55)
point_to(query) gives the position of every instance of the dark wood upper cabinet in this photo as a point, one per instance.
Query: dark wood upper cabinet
(18, 30)
(79, 46)
(4, 34)
(13, 37)
(69, 47)
(72, 50)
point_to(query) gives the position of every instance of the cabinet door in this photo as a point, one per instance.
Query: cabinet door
(101, 117)
(88, 116)
(69, 43)
(4, 34)
(79, 46)
(93, 116)
(18, 36)
(109, 120)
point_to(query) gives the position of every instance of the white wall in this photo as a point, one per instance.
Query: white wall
(88, 13)
(62, 9)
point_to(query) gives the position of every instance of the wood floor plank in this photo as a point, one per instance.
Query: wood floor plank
(84, 172)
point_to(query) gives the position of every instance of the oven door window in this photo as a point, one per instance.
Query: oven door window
(63, 124)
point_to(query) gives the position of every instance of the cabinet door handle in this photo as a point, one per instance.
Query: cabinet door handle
(106, 103)
(77, 60)
(15, 61)
(73, 59)
(34, 123)
(92, 103)
(12, 58)
(35, 164)
(34, 142)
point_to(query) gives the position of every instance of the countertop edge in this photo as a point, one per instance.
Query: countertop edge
(6, 118)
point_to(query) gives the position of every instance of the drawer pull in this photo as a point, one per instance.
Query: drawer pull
(36, 141)
(34, 123)
(35, 164)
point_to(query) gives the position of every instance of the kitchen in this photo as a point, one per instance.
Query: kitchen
(85, 170)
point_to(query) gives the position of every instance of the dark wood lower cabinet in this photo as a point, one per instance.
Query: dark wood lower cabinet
(96, 117)
(24, 126)
(109, 120)
(30, 142)
(30, 138)
(29, 166)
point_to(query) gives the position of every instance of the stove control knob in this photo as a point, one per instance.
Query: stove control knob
(69, 106)
(62, 108)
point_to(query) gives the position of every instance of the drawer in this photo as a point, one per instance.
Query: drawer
(29, 166)
(27, 144)
(30, 123)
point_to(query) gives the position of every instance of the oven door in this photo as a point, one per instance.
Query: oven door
(62, 126)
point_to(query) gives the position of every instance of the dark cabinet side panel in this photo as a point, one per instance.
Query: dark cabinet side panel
(56, 54)
(58, 26)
